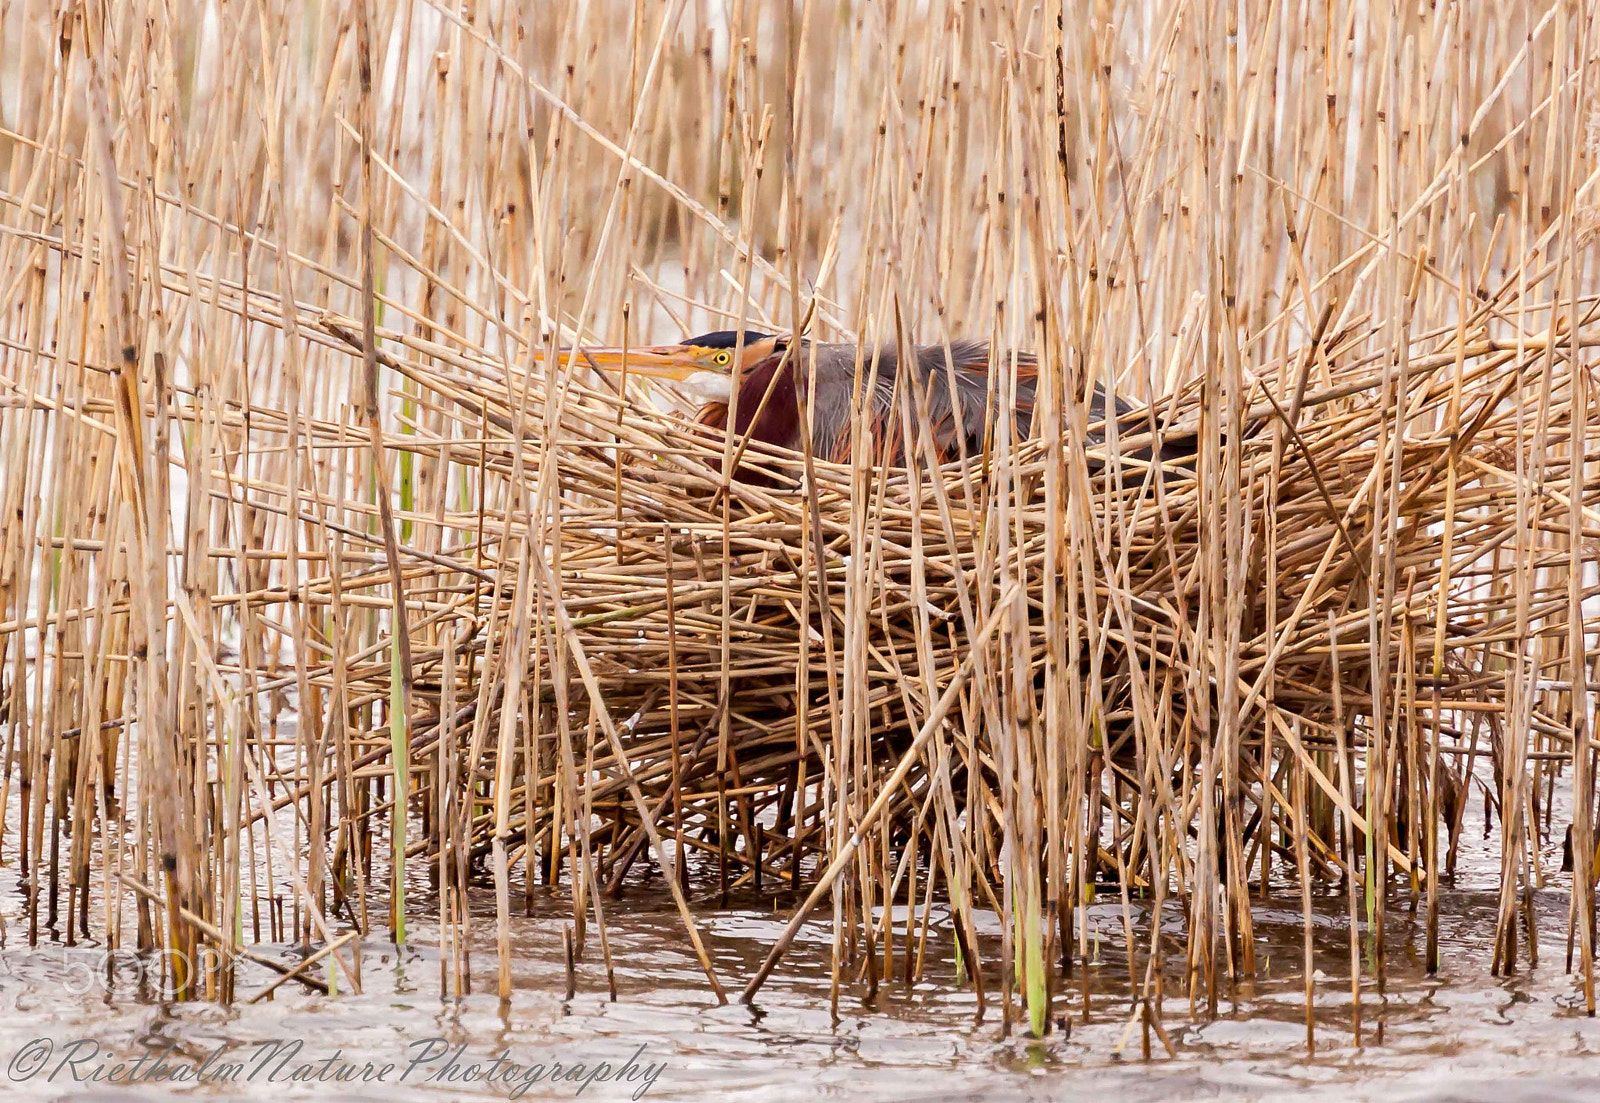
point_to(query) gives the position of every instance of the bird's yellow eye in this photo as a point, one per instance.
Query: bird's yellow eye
(722, 357)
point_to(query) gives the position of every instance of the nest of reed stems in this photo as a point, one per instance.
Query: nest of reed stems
(304, 522)
(999, 680)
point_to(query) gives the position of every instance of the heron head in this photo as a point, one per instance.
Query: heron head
(703, 364)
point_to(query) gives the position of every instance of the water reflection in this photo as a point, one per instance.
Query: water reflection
(1456, 1036)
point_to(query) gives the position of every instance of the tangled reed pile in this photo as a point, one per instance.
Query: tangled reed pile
(307, 518)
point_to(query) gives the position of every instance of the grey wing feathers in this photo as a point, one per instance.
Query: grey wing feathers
(963, 421)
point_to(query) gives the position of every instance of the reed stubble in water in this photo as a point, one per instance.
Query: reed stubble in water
(309, 526)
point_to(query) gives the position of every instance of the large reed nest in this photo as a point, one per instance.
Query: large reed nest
(1151, 669)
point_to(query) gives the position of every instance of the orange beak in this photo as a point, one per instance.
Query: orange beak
(672, 362)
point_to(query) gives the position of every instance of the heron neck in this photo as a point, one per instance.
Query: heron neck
(777, 421)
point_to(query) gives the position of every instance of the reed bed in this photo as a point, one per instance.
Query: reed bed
(324, 566)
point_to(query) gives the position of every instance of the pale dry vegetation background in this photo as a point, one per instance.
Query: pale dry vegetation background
(283, 287)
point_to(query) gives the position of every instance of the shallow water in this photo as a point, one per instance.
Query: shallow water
(1462, 1035)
